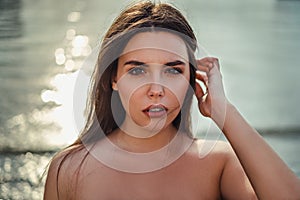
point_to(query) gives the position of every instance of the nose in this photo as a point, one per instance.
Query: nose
(156, 91)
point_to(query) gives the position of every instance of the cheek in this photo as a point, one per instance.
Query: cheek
(131, 96)
(178, 95)
(178, 88)
(124, 96)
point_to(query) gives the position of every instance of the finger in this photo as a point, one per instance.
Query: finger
(207, 63)
(201, 76)
(206, 60)
(198, 91)
(203, 69)
(202, 82)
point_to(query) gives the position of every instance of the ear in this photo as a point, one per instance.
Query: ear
(114, 86)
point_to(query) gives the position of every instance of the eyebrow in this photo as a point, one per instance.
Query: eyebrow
(174, 63)
(170, 64)
(134, 62)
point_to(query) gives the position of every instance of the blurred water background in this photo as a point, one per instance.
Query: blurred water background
(43, 44)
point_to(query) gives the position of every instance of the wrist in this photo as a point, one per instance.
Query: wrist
(221, 113)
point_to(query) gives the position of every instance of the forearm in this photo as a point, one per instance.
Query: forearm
(269, 175)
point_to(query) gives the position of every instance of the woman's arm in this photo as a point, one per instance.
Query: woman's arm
(269, 175)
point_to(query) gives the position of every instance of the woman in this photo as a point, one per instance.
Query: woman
(137, 142)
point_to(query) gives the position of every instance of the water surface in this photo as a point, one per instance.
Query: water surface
(43, 44)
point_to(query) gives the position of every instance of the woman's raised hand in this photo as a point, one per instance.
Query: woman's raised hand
(213, 102)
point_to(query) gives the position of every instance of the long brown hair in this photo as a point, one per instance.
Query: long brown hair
(139, 17)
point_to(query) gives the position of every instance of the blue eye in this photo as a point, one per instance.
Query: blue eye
(136, 71)
(173, 70)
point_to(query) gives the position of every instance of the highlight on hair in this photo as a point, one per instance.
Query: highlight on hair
(139, 17)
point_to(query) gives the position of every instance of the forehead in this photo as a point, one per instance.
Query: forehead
(157, 44)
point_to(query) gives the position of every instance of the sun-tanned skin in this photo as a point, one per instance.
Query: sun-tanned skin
(219, 175)
(216, 175)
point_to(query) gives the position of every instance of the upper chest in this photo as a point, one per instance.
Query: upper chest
(187, 178)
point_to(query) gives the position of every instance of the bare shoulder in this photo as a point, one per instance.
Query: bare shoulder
(62, 168)
(68, 158)
(211, 156)
(234, 183)
(216, 149)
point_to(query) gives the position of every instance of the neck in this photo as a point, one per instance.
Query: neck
(143, 145)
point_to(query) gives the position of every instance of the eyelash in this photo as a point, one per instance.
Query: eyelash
(139, 70)
(136, 71)
(174, 70)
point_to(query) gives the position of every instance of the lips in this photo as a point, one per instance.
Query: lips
(156, 111)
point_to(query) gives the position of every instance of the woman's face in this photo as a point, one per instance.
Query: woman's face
(152, 80)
